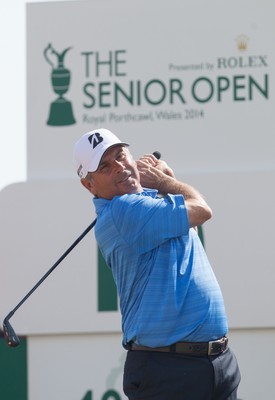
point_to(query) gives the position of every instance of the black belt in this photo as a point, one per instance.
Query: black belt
(212, 348)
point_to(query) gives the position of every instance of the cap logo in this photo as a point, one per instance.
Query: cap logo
(95, 139)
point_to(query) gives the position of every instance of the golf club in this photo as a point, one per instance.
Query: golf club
(9, 333)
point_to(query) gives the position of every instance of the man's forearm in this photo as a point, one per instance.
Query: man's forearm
(157, 178)
(171, 185)
(162, 178)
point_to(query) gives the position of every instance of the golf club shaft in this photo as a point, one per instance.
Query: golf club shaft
(8, 331)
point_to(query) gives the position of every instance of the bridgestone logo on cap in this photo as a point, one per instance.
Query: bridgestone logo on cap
(95, 139)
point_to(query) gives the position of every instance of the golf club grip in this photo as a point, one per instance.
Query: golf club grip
(157, 154)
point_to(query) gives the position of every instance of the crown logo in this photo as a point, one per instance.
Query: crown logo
(242, 42)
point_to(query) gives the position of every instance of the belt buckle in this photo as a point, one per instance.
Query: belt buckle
(210, 347)
(223, 342)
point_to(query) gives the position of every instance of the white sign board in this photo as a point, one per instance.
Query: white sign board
(193, 80)
(181, 79)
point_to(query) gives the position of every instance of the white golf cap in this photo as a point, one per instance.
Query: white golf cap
(90, 148)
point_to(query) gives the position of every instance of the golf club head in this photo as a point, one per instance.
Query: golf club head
(10, 335)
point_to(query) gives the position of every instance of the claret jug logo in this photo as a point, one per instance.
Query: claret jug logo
(61, 112)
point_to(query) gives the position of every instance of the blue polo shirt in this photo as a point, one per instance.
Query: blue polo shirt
(167, 289)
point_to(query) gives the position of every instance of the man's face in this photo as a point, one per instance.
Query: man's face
(116, 175)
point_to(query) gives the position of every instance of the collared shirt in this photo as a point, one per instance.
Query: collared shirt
(167, 289)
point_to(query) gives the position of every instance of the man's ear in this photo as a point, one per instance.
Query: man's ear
(87, 184)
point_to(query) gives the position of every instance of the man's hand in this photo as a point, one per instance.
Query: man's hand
(147, 166)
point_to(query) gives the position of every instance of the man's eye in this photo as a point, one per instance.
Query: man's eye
(121, 156)
(103, 168)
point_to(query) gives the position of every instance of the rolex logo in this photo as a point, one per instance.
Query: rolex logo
(242, 42)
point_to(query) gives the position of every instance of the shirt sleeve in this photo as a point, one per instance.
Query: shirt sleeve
(147, 222)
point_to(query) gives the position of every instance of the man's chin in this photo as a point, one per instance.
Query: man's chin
(131, 186)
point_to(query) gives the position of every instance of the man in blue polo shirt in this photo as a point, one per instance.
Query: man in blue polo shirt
(173, 318)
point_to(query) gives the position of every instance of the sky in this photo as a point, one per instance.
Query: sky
(13, 156)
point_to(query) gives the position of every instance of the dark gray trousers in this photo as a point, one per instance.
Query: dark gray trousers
(150, 375)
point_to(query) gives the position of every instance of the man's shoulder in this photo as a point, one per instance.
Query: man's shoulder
(131, 198)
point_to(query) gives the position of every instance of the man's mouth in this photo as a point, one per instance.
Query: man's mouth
(125, 176)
